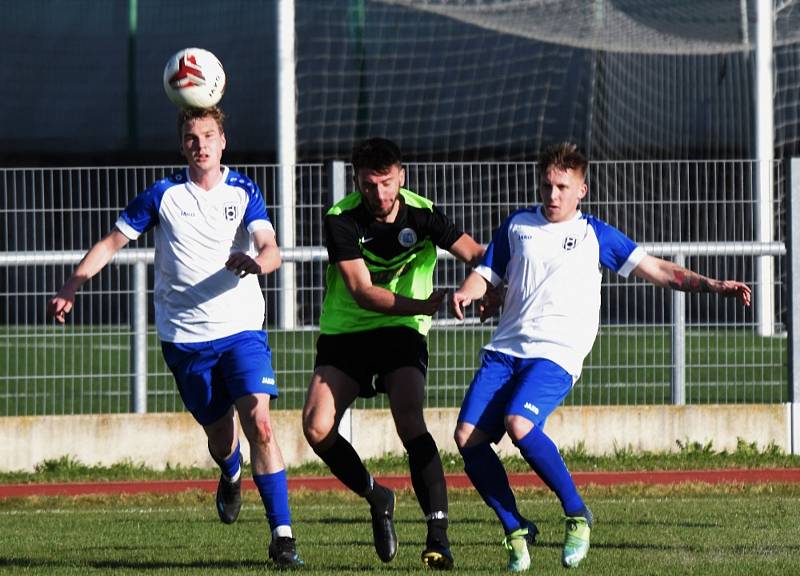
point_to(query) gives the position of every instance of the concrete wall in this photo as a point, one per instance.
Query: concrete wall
(158, 439)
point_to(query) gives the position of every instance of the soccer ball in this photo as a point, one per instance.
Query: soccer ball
(194, 78)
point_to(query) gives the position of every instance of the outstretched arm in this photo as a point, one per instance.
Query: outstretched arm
(667, 274)
(95, 259)
(370, 297)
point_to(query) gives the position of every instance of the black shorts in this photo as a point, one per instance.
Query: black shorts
(377, 352)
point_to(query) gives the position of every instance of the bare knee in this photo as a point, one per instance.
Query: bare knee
(317, 428)
(261, 433)
(467, 435)
(517, 427)
(461, 436)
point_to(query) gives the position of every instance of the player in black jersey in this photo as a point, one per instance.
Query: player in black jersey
(382, 241)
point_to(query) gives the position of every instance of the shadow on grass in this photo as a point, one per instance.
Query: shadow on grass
(137, 565)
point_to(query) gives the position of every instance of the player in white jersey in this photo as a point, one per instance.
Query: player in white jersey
(213, 236)
(550, 257)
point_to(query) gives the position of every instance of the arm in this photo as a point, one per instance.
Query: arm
(95, 259)
(666, 274)
(267, 260)
(473, 288)
(467, 250)
(370, 297)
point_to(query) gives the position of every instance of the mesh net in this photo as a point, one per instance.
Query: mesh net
(638, 26)
(497, 79)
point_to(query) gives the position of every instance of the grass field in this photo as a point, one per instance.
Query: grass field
(688, 456)
(80, 370)
(691, 529)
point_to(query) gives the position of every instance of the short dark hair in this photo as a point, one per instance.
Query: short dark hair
(563, 156)
(187, 114)
(377, 154)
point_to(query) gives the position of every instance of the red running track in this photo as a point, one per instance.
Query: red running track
(750, 476)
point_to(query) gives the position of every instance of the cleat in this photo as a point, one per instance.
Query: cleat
(283, 553)
(437, 557)
(576, 540)
(229, 499)
(383, 533)
(519, 559)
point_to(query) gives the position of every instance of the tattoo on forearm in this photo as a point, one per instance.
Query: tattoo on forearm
(687, 281)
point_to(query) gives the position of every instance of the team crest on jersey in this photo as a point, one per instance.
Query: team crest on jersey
(570, 242)
(231, 211)
(407, 237)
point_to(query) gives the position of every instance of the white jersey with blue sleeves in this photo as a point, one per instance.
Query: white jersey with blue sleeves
(552, 305)
(196, 298)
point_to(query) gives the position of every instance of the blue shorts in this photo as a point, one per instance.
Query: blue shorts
(212, 375)
(507, 385)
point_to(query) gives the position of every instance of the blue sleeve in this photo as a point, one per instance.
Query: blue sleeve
(256, 207)
(142, 213)
(499, 251)
(615, 247)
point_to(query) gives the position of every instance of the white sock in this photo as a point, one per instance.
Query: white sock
(283, 531)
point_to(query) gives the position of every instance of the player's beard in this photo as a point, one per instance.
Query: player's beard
(378, 211)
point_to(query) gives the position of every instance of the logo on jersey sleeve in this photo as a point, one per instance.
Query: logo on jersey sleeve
(231, 211)
(570, 242)
(407, 237)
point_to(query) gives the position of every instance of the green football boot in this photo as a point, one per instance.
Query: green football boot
(576, 541)
(516, 543)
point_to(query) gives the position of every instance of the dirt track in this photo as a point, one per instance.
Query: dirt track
(403, 481)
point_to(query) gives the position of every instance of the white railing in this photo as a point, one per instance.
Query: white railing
(673, 208)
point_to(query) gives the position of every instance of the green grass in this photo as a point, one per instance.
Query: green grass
(82, 370)
(692, 529)
(689, 456)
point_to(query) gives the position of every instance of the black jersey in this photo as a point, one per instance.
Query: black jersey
(400, 256)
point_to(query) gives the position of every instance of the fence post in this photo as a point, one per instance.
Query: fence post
(337, 189)
(678, 379)
(793, 258)
(139, 340)
(286, 115)
(764, 302)
(337, 185)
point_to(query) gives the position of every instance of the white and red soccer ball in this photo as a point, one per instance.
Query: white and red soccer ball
(194, 78)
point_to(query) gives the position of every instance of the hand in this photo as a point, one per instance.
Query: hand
(491, 302)
(60, 305)
(458, 302)
(241, 264)
(433, 302)
(733, 289)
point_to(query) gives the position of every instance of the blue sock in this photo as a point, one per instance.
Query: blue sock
(543, 456)
(491, 481)
(275, 496)
(231, 465)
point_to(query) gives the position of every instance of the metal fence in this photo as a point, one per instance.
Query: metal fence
(655, 346)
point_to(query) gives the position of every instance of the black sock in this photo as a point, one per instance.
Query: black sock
(345, 464)
(427, 478)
